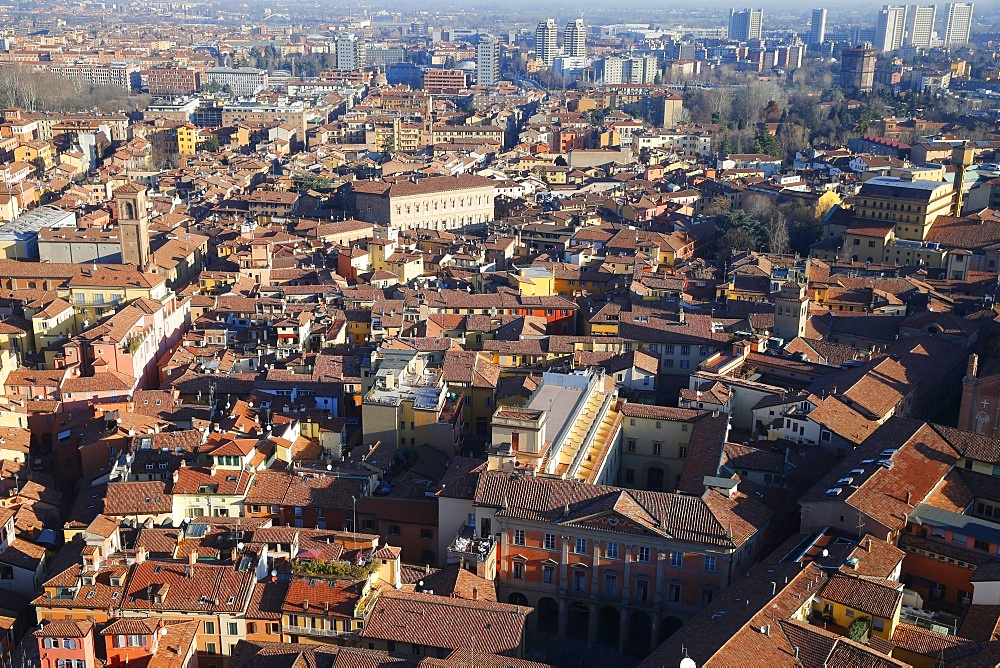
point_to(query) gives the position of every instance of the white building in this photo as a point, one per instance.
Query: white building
(350, 52)
(959, 23)
(817, 27)
(488, 61)
(891, 28)
(547, 41)
(921, 25)
(575, 39)
(243, 81)
(746, 25)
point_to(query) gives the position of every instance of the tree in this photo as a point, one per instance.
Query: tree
(826, 201)
(39, 166)
(777, 234)
(211, 145)
(765, 142)
(736, 239)
(719, 205)
(561, 161)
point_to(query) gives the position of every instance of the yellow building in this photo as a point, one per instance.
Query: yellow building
(910, 206)
(187, 139)
(846, 599)
(532, 281)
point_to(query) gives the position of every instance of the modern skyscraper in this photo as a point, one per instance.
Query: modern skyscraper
(488, 61)
(817, 27)
(575, 39)
(746, 25)
(959, 23)
(857, 69)
(921, 25)
(891, 28)
(350, 52)
(547, 41)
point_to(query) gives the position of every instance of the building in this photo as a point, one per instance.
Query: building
(959, 23)
(119, 75)
(242, 81)
(891, 28)
(547, 42)
(350, 52)
(443, 82)
(605, 563)
(133, 224)
(920, 30)
(746, 25)
(437, 202)
(283, 111)
(169, 81)
(575, 39)
(488, 61)
(817, 27)
(857, 69)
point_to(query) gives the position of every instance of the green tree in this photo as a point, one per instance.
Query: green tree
(211, 145)
(39, 167)
(561, 161)
(765, 142)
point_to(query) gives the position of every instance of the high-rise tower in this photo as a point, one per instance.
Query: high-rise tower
(547, 41)
(575, 39)
(817, 27)
(959, 23)
(488, 61)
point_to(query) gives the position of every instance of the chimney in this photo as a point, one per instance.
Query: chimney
(326, 606)
(211, 471)
(475, 593)
(193, 558)
(140, 555)
(232, 555)
(427, 569)
(868, 545)
(305, 605)
(177, 476)
(907, 497)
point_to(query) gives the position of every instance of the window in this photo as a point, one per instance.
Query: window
(610, 585)
(210, 647)
(579, 579)
(518, 537)
(234, 629)
(611, 550)
(394, 530)
(69, 643)
(629, 476)
(657, 447)
(677, 559)
(548, 574)
(518, 570)
(209, 628)
(426, 534)
(581, 546)
(709, 564)
(685, 350)
(960, 539)
(981, 545)
(251, 628)
(850, 613)
(878, 624)
(631, 445)
(550, 541)
(685, 364)
(706, 597)
(682, 452)
(642, 590)
(674, 593)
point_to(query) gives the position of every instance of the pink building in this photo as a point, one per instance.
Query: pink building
(66, 643)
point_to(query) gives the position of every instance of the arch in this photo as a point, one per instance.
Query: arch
(548, 615)
(609, 626)
(578, 620)
(982, 422)
(129, 210)
(654, 479)
(854, 258)
(640, 633)
(517, 598)
(669, 626)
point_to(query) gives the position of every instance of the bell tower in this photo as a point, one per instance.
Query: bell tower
(791, 308)
(133, 223)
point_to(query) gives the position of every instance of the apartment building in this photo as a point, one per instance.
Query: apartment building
(242, 81)
(169, 81)
(605, 563)
(437, 202)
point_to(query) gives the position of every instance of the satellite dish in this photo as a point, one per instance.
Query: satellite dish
(163, 631)
(274, 574)
(240, 546)
(329, 467)
(688, 662)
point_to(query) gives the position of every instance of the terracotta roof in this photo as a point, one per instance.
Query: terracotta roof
(869, 596)
(435, 621)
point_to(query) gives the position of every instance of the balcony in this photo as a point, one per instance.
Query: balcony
(308, 631)
(468, 546)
